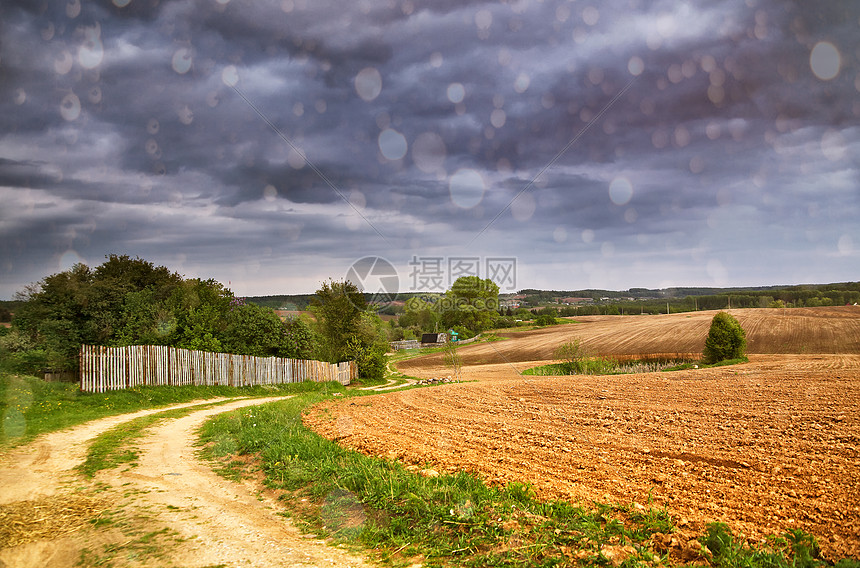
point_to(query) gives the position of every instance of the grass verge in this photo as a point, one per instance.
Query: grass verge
(117, 446)
(30, 406)
(609, 366)
(456, 520)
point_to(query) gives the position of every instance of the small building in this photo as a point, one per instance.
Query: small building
(433, 339)
(404, 344)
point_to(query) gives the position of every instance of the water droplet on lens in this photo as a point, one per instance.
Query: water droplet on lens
(48, 32)
(466, 187)
(523, 207)
(635, 66)
(429, 152)
(230, 76)
(620, 191)
(498, 118)
(587, 236)
(64, 63)
(521, 85)
(182, 60)
(483, 19)
(368, 83)
(92, 51)
(825, 60)
(70, 107)
(20, 96)
(185, 114)
(73, 8)
(456, 92)
(590, 15)
(152, 126)
(833, 145)
(392, 144)
(95, 95)
(295, 159)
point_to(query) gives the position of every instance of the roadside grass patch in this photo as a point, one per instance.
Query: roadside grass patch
(610, 366)
(448, 520)
(30, 406)
(116, 447)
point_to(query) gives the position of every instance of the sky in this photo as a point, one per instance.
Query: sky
(555, 144)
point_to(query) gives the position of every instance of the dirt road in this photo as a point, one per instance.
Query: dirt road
(171, 510)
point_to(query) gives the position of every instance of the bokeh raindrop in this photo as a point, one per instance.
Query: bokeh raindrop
(825, 60)
(833, 145)
(73, 8)
(523, 207)
(467, 188)
(368, 83)
(270, 193)
(429, 152)
(63, 64)
(456, 92)
(230, 76)
(70, 107)
(182, 59)
(635, 66)
(620, 191)
(91, 53)
(392, 144)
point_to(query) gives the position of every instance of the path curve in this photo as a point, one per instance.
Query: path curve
(219, 522)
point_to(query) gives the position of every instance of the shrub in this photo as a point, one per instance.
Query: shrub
(545, 319)
(726, 339)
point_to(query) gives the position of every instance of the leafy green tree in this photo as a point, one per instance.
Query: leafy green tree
(338, 307)
(726, 339)
(253, 330)
(472, 303)
(348, 330)
(573, 356)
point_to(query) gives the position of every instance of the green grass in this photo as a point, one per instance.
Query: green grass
(116, 446)
(30, 406)
(608, 366)
(449, 520)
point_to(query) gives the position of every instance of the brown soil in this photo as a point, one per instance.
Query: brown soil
(801, 330)
(171, 510)
(766, 446)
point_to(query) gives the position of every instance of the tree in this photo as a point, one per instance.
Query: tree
(338, 307)
(573, 356)
(472, 303)
(454, 360)
(726, 339)
(254, 330)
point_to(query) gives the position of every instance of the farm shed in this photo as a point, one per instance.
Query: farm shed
(432, 339)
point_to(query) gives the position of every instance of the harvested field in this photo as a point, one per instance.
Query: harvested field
(801, 330)
(765, 446)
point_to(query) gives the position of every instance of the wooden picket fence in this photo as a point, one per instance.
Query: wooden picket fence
(113, 368)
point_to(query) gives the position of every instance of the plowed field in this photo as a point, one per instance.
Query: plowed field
(804, 330)
(764, 446)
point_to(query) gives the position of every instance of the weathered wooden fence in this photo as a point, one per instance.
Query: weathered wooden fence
(113, 368)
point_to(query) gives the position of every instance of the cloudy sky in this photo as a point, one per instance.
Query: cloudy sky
(550, 144)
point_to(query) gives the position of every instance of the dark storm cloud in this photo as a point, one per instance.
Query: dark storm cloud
(688, 132)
